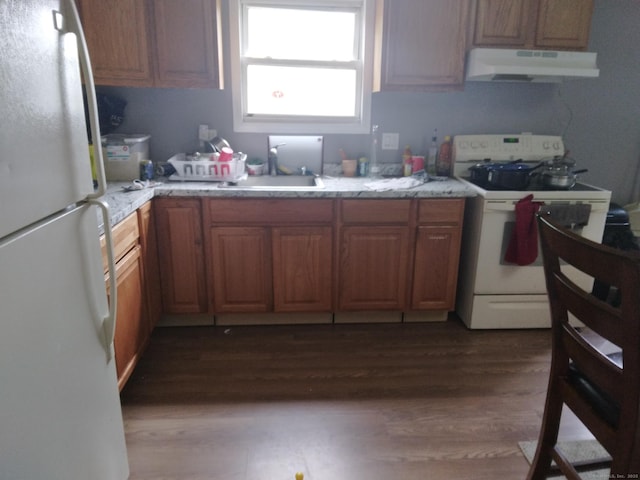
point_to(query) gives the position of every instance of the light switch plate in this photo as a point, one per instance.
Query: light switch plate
(390, 141)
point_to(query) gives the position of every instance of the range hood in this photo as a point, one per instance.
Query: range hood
(535, 66)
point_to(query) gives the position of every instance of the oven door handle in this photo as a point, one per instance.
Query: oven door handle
(500, 206)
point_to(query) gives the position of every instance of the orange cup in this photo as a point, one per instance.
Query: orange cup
(349, 167)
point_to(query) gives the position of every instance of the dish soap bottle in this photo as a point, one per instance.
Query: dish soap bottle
(443, 165)
(407, 164)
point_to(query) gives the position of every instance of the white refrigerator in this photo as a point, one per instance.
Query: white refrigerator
(60, 413)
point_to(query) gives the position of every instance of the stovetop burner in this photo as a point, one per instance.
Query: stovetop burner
(536, 186)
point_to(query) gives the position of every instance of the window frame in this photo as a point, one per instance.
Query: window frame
(358, 124)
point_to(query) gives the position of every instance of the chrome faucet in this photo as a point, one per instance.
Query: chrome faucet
(272, 159)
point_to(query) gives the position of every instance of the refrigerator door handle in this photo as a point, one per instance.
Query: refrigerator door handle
(109, 321)
(73, 25)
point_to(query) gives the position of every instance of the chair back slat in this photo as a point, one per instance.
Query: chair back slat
(596, 314)
(594, 364)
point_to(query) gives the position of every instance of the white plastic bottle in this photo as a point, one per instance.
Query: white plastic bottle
(374, 167)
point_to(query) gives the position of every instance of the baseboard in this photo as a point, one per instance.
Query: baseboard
(426, 316)
(367, 317)
(185, 320)
(231, 319)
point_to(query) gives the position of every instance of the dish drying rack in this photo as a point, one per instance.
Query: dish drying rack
(207, 168)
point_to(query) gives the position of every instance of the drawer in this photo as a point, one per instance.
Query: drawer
(441, 211)
(375, 211)
(269, 211)
(125, 237)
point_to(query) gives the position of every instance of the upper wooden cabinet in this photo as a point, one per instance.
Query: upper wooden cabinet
(187, 43)
(551, 24)
(154, 43)
(116, 34)
(420, 44)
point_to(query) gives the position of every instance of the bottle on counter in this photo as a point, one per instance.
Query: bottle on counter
(443, 164)
(374, 167)
(407, 161)
(363, 166)
(432, 154)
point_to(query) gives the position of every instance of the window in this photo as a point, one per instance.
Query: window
(301, 66)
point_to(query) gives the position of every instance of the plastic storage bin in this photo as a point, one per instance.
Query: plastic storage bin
(122, 155)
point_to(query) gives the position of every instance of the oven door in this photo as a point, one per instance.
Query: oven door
(497, 277)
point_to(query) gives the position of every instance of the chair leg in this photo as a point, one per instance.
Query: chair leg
(541, 464)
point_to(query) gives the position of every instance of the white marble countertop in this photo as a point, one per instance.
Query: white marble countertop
(122, 203)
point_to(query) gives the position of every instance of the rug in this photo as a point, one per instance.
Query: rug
(574, 451)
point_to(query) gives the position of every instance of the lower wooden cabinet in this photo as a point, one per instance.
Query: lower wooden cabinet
(270, 255)
(302, 268)
(181, 255)
(374, 245)
(133, 325)
(240, 269)
(132, 322)
(248, 255)
(374, 262)
(437, 252)
(149, 252)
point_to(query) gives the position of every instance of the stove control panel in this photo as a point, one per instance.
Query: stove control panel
(497, 148)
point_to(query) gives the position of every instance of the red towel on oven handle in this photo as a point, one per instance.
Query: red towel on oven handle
(523, 246)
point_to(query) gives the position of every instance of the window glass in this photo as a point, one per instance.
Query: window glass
(301, 66)
(294, 34)
(300, 91)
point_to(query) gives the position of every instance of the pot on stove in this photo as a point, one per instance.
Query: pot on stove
(503, 176)
(559, 174)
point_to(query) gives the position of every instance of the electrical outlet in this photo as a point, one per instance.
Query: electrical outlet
(203, 133)
(390, 141)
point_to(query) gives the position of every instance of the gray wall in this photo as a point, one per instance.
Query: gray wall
(599, 118)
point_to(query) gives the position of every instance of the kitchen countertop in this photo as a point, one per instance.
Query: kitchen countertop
(122, 203)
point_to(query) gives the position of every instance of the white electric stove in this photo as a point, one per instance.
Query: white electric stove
(493, 293)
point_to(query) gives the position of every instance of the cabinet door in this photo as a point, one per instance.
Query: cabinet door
(373, 268)
(436, 268)
(302, 269)
(564, 23)
(132, 325)
(187, 43)
(181, 255)
(117, 33)
(149, 244)
(240, 269)
(502, 22)
(421, 44)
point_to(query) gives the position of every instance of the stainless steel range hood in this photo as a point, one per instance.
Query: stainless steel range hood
(534, 66)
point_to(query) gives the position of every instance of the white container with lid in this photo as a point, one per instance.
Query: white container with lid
(122, 155)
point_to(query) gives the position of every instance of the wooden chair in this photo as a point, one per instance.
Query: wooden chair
(602, 390)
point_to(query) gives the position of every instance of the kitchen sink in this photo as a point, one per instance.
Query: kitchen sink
(279, 182)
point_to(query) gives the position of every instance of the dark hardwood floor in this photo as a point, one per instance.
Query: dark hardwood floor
(337, 402)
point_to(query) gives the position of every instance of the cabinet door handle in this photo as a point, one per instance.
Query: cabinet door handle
(109, 321)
